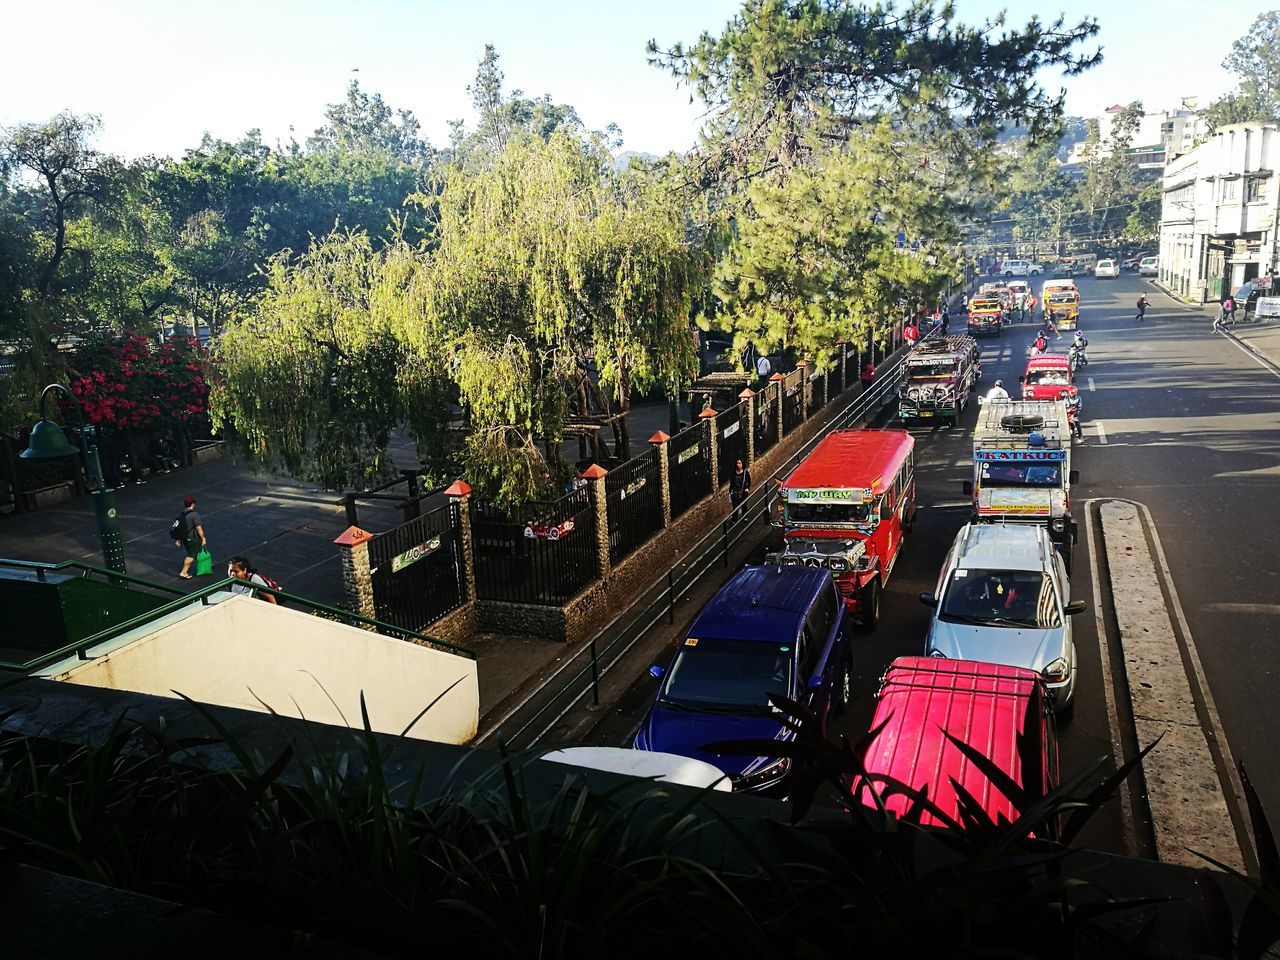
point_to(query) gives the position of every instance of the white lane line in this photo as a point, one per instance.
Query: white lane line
(1265, 608)
(950, 505)
(1091, 386)
(1250, 353)
(1108, 685)
(1102, 432)
(1186, 795)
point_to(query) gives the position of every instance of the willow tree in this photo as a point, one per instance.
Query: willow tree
(545, 261)
(307, 381)
(836, 127)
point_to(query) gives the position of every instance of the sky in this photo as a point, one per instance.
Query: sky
(160, 73)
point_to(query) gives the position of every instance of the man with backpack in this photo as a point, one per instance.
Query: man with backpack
(188, 532)
(1142, 308)
(238, 568)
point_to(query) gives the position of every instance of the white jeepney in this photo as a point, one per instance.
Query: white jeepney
(1022, 467)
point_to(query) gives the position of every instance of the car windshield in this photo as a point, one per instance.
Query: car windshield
(1021, 475)
(1002, 598)
(1048, 378)
(924, 371)
(1062, 298)
(831, 512)
(722, 674)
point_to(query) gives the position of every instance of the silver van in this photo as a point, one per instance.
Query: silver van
(1004, 597)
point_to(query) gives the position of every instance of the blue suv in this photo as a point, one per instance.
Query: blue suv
(768, 630)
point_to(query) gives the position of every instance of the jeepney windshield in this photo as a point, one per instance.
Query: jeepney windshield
(933, 369)
(1020, 475)
(859, 513)
(976, 305)
(1048, 378)
(1065, 297)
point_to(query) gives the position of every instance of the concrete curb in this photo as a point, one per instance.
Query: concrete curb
(1189, 810)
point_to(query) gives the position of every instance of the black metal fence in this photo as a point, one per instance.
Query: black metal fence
(817, 393)
(634, 503)
(416, 569)
(792, 401)
(731, 438)
(689, 468)
(766, 419)
(541, 553)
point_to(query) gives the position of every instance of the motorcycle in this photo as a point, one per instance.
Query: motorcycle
(1076, 357)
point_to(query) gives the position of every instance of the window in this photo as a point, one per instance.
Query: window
(1007, 598)
(1230, 190)
(1255, 190)
(729, 673)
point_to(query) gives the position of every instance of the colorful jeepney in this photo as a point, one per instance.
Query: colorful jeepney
(846, 508)
(1022, 467)
(937, 377)
(986, 315)
(1060, 302)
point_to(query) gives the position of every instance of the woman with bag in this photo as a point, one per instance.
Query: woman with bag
(193, 541)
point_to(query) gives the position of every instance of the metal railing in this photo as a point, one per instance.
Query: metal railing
(86, 569)
(539, 553)
(634, 504)
(80, 648)
(416, 569)
(598, 656)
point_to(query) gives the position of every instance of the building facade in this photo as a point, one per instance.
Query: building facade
(1218, 215)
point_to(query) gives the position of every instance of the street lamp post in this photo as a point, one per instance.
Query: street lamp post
(48, 442)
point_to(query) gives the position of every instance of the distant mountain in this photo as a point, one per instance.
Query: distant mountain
(1073, 131)
(622, 160)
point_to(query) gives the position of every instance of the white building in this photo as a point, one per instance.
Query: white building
(1159, 137)
(1218, 216)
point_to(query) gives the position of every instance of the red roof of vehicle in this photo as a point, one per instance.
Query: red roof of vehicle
(853, 458)
(1049, 361)
(986, 705)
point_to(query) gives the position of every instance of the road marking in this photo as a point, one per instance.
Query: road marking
(1253, 354)
(1266, 608)
(1102, 431)
(1188, 800)
(951, 505)
(1108, 685)
(1091, 386)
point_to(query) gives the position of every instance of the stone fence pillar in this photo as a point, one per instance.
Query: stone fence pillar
(594, 475)
(659, 441)
(844, 365)
(708, 417)
(778, 382)
(357, 579)
(460, 493)
(803, 367)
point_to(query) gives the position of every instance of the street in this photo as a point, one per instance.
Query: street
(1176, 418)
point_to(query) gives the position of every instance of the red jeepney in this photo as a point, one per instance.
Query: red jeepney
(1048, 376)
(846, 507)
(1001, 711)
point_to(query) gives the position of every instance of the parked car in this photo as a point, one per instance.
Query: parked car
(771, 629)
(1021, 268)
(1106, 268)
(1149, 266)
(1004, 597)
(925, 705)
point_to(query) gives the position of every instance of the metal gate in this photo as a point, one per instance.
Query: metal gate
(792, 401)
(634, 501)
(540, 553)
(731, 437)
(416, 569)
(689, 468)
(766, 419)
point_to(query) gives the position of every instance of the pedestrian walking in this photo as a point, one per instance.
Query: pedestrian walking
(946, 319)
(1142, 308)
(1229, 307)
(238, 568)
(911, 333)
(763, 368)
(868, 374)
(739, 488)
(190, 528)
(1051, 327)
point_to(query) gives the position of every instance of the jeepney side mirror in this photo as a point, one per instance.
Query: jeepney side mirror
(1073, 477)
(1074, 607)
(656, 671)
(966, 487)
(929, 600)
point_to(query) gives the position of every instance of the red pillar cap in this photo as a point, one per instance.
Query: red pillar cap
(746, 394)
(459, 488)
(706, 414)
(659, 437)
(777, 376)
(353, 535)
(593, 472)
(840, 342)
(802, 363)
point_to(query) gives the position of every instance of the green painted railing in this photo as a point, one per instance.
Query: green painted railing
(42, 570)
(80, 649)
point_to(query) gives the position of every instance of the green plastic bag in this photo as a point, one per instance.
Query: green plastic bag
(204, 564)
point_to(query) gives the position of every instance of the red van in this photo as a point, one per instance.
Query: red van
(1048, 376)
(1002, 711)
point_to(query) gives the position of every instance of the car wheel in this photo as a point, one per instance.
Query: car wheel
(1008, 273)
(870, 604)
(844, 685)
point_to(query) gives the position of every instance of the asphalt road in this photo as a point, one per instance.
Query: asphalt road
(1191, 431)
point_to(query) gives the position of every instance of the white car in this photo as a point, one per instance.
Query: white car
(1021, 268)
(1149, 266)
(1004, 597)
(1107, 268)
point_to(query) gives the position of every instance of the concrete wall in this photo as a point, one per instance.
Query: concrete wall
(244, 653)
